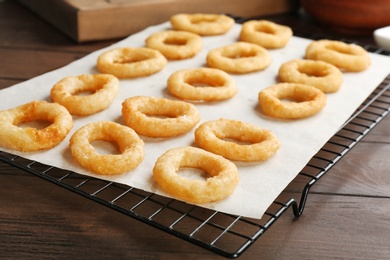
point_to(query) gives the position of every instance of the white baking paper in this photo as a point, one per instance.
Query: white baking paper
(260, 183)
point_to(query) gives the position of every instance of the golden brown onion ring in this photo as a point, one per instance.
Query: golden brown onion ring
(131, 148)
(202, 84)
(103, 87)
(221, 183)
(131, 62)
(236, 140)
(159, 117)
(202, 24)
(291, 100)
(30, 139)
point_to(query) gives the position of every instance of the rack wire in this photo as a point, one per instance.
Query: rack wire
(221, 233)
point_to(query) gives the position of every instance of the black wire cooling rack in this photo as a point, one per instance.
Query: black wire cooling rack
(224, 234)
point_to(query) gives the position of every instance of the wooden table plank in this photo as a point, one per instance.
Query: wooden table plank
(364, 171)
(332, 227)
(381, 132)
(61, 222)
(5, 83)
(346, 215)
(19, 25)
(25, 64)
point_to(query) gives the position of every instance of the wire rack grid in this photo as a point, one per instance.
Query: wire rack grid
(223, 234)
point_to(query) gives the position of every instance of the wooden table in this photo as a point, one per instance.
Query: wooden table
(347, 214)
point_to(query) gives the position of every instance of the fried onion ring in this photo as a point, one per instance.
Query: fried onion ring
(265, 33)
(131, 148)
(252, 142)
(202, 24)
(175, 45)
(221, 183)
(348, 57)
(316, 73)
(131, 62)
(291, 100)
(202, 84)
(239, 58)
(30, 139)
(104, 88)
(159, 117)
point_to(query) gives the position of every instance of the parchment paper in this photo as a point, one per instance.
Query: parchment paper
(260, 183)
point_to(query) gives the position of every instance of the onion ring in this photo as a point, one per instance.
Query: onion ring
(202, 84)
(265, 33)
(306, 100)
(202, 24)
(213, 136)
(175, 45)
(316, 73)
(104, 88)
(348, 57)
(221, 183)
(159, 117)
(30, 139)
(130, 145)
(131, 62)
(239, 58)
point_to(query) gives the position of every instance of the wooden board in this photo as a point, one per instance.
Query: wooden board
(89, 20)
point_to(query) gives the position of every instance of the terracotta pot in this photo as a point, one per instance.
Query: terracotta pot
(350, 16)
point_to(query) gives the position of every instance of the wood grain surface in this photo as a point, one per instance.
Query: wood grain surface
(347, 214)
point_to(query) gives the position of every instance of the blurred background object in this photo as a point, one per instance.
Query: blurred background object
(349, 16)
(382, 37)
(89, 20)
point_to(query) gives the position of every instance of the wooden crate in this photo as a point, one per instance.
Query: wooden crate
(89, 20)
